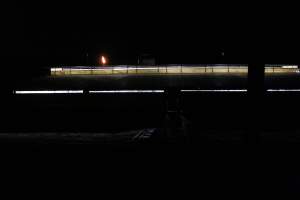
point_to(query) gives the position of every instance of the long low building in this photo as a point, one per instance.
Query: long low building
(166, 69)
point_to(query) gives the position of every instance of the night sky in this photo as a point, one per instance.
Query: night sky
(55, 33)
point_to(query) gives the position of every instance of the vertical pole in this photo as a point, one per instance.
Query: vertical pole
(174, 125)
(256, 90)
(256, 78)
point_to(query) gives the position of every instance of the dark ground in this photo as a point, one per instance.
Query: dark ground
(220, 117)
(233, 144)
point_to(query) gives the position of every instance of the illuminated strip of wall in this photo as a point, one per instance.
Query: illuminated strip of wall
(56, 69)
(134, 68)
(290, 67)
(126, 91)
(50, 92)
(83, 69)
(283, 90)
(139, 68)
(242, 90)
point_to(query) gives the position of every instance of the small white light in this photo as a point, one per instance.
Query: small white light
(290, 67)
(56, 69)
(50, 92)
(126, 91)
(283, 90)
(241, 90)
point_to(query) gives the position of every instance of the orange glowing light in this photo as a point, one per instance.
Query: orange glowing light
(103, 60)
